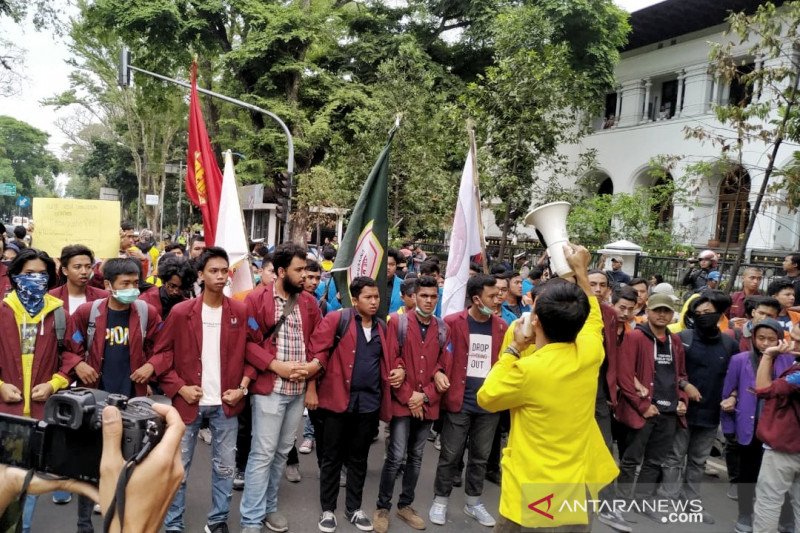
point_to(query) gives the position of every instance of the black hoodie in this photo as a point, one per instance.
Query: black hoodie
(665, 398)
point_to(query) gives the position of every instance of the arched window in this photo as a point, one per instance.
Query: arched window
(733, 206)
(606, 187)
(665, 205)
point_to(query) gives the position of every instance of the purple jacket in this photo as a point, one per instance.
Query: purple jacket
(741, 377)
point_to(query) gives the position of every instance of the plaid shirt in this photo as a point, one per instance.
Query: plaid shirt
(291, 347)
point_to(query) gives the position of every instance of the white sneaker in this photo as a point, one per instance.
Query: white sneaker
(479, 513)
(438, 513)
(205, 435)
(306, 446)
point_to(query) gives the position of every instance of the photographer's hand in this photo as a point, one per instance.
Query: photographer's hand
(12, 479)
(154, 481)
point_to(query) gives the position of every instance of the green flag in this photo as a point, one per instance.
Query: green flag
(363, 248)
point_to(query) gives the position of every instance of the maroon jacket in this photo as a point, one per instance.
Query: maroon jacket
(611, 346)
(779, 424)
(153, 297)
(457, 370)
(45, 359)
(178, 352)
(261, 306)
(736, 310)
(636, 359)
(92, 294)
(333, 387)
(422, 360)
(76, 338)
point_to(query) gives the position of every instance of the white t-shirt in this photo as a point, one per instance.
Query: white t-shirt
(75, 302)
(211, 379)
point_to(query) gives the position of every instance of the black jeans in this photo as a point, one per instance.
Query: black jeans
(649, 446)
(503, 426)
(407, 438)
(457, 426)
(85, 509)
(244, 436)
(732, 457)
(345, 439)
(602, 414)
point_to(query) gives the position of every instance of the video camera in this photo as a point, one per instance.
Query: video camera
(69, 440)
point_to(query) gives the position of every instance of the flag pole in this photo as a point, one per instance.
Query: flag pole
(476, 191)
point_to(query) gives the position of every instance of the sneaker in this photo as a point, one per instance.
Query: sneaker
(744, 524)
(359, 519)
(306, 446)
(343, 478)
(96, 509)
(733, 491)
(479, 513)
(410, 517)
(238, 480)
(276, 522)
(62, 498)
(380, 520)
(205, 435)
(438, 513)
(614, 520)
(292, 473)
(707, 518)
(437, 442)
(786, 528)
(327, 522)
(220, 527)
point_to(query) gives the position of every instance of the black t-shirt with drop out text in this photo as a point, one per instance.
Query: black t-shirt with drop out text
(116, 372)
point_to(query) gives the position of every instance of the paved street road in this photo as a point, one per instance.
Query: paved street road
(300, 502)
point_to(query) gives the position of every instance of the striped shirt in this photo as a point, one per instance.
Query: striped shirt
(291, 347)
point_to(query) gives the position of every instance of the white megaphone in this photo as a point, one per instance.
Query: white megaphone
(550, 222)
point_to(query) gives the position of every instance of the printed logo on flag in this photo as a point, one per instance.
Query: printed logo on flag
(200, 178)
(368, 255)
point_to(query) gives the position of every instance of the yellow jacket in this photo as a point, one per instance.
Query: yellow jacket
(555, 451)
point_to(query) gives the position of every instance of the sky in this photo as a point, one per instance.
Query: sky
(47, 74)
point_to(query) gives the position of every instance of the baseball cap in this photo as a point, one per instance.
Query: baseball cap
(772, 324)
(714, 275)
(664, 288)
(616, 259)
(661, 300)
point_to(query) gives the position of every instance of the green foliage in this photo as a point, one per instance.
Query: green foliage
(25, 162)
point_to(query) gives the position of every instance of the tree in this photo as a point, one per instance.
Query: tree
(767, 114)
(553, 62)
(25, 161)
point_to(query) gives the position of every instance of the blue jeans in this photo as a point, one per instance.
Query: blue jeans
(308, 429)
(27, 512)
(275, 420)
(407, 437)
(223, 462)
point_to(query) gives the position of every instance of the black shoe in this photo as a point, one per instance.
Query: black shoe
(219, 527)
(493, 477)
(327, 522)
(359, 519)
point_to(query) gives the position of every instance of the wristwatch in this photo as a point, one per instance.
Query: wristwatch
(425, 399)
(243, 389)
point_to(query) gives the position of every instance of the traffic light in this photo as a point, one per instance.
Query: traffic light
(123, 68)
(282, 185)
(282, 209)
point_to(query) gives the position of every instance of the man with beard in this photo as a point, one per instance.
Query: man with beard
(177, 277)
(286, 316)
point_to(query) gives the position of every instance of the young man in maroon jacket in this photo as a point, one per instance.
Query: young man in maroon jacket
(200, 363)
(415, 405)
(118, 348)
(286, 315)
(76, 265)
(354, 393)
(476, 334)
(653, 356)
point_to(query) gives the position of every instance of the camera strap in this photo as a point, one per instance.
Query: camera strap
(11, 519)
(118, 501)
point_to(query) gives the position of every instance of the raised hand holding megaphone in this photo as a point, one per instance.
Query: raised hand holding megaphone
(550, 222)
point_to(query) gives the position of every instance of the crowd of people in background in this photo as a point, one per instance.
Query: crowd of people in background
(245, 370)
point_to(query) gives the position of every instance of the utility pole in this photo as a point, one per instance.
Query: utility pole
(124, 79)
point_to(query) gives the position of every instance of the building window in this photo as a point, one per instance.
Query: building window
(610, 112)
(669, 99)
(733, 206)
(741, 93)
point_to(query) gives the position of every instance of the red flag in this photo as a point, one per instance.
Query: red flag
(203, 176)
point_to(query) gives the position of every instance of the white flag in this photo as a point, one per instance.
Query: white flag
(231, 233)
(465, 240)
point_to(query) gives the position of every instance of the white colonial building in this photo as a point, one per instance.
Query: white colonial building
(664, 85)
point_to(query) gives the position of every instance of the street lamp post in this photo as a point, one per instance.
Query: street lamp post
(124, 79)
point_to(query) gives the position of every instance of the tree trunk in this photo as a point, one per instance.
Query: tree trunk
(504, 236)
(791, 102)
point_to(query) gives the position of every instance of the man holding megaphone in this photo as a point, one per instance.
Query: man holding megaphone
(547, 378)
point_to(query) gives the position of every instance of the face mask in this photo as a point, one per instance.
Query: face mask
(257, 279)
(485, 311)
(422, 313)
(6, 263)
(126, 296)
(707, 323)
(31, 289)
